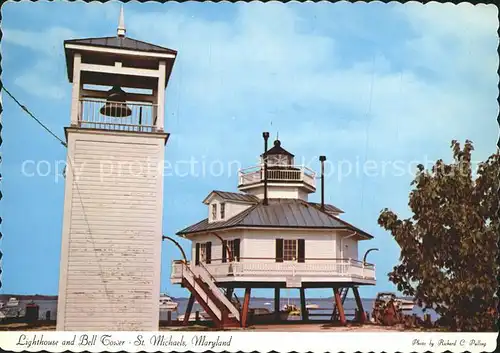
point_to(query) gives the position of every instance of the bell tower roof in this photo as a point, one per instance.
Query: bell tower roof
(105, 50)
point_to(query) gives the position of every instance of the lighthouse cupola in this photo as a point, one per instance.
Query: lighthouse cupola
(277, 176)
(277, 156)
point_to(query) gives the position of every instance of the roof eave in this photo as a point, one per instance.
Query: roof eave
(243, 226)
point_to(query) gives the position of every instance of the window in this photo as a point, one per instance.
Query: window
(203, 252)
(214, 211)
(222, 210)
(231, 250)
(290, 249)
(231, 244)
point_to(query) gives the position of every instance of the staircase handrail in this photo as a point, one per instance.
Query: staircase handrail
(210, 274)
(194, 276)
(215, 281)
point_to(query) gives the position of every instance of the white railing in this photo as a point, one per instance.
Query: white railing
(142, 117)
(267, 268)
(255, 174)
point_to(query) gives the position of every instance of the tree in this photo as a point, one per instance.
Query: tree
(449, 245)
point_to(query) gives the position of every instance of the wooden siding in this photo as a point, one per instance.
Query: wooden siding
(350, 248)
(281, 191)
(110, 262)
(216, 243)
(261, 243)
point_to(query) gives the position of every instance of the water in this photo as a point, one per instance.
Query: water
(50, 305)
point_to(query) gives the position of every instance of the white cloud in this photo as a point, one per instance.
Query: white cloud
(45, 78)
(234, 77)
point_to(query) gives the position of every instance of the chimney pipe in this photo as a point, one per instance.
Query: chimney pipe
(265, 135)
(322, 159)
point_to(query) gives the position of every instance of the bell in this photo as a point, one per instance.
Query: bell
(115, 105)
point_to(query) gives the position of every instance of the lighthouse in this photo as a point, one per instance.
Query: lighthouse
(113, 202)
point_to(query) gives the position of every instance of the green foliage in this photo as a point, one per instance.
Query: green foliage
(449, 246)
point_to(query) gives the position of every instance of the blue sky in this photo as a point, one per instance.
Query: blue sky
(356, 82)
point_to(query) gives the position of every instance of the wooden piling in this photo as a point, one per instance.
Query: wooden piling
(359, 303)
(276, 304)
(189, 308)
(340, 308)
(303, 309)
(246, 304)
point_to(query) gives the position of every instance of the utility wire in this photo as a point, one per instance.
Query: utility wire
(101, 274)
(23, 107)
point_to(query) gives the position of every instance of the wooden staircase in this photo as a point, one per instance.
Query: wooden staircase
(212, 299)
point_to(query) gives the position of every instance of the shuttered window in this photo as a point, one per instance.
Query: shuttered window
(279, 250)
(208, 256)
(222, 210)
(224, 251)
(234, 250)
(214, 211)
(197, 254)
(290, 250)
(301, 250)
(203, 252)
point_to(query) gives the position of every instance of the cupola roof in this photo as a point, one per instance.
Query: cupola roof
(277, 149)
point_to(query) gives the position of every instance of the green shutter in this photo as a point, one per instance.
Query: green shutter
(279, 250)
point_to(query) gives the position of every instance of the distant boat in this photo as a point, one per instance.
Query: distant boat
(12, 302)
(264, 316)
(290, 307)
(400, 303)
(405, 304)
(267, 303)
(192, 317)
(312, 306)
(166, 303)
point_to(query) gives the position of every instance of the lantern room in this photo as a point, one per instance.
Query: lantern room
(277, 156)
(277, 175)
(118, 82)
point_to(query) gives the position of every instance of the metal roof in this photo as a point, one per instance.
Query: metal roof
(116, 43)
(328, 207)
(280, 213)
(277, 149)
(121, 43)
(234, 196)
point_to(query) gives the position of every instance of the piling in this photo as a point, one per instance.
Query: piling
(31, 314)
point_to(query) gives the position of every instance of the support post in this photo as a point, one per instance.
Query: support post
(340, 308)
(244, 310)
(359, 303)
(75, 94)
(161, 96)
(303, 309)
(189, 308)
(277, 304)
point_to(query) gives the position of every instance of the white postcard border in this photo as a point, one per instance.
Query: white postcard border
(231, 341)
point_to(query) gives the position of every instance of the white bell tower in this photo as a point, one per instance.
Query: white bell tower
(113, 203)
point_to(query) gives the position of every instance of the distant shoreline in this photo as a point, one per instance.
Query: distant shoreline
(5, 297)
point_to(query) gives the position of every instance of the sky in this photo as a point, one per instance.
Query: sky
(377, 88)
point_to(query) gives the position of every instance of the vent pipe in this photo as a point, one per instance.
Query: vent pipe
(266, 137)
(322, 159)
